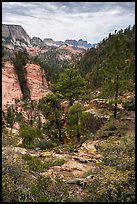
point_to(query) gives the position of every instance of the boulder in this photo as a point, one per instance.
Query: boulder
(80, 160)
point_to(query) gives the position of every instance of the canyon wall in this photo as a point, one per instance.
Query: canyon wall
(37, 83)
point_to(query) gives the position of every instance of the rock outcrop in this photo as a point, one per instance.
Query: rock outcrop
(35, 41)
(86, 159)
(37, 83)
(10, 85)
(15, 35)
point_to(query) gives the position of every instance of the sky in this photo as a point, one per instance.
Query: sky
(91, 21)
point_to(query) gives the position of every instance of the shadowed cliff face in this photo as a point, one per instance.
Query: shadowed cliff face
(37, 83)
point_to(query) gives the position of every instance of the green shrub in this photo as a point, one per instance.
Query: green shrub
(86, 97)
(69, 148)
(130, 104)
(113, 127)
(36, 164)
(46, 190)
(111, 185)
(45, 144)
(16, 180)
(114, 180)
(119, 152)
(29, 146)
(40, 192)
(28, 133)
(8, 140)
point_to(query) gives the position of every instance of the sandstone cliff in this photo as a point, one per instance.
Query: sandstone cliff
(10, 86)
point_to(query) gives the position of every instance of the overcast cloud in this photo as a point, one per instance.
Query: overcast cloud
(91, 21)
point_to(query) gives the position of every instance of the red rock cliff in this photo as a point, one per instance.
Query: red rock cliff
(10, 86)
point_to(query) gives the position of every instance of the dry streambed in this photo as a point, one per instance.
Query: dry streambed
(83, 159)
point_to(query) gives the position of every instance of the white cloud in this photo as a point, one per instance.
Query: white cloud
(74, 20)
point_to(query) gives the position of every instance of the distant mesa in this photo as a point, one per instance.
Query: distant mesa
(84, 43)
(14, 36)
(79, 43)
(48, 40)
(71, 42)
(35, 41)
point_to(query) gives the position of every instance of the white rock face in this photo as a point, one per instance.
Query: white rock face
(14, 33)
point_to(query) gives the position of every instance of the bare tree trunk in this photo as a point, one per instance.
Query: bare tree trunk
(116, 97)
(59, 129)
(70, 101)
(78, 134)
(60, 136)
(11, 130)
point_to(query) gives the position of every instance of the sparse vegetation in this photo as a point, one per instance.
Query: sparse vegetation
(36, 164)
(52, 64)
(114, 181)
(129, 104)
(113, 127)
(16, 180)
(106, 72)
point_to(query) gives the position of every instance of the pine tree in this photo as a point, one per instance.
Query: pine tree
(31, 110)
(115, 71)
(71, 85)
(76, 121)
(10, 117)
(111, 66)
(52, 111)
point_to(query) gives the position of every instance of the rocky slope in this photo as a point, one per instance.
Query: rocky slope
(10, 86)
(84, 158)
(76, 164)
